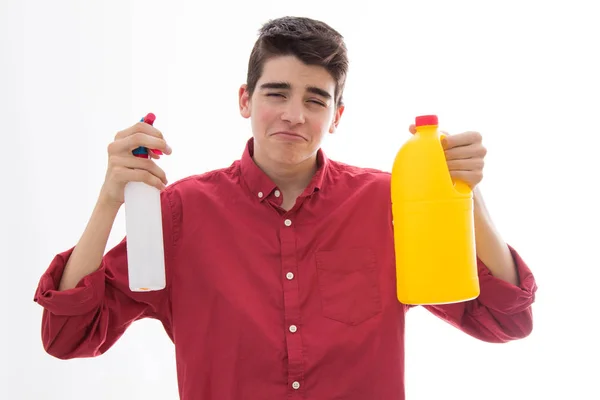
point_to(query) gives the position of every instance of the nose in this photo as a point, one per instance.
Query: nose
(293, 113)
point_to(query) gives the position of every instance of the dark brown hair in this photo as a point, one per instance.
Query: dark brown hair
(311, 41)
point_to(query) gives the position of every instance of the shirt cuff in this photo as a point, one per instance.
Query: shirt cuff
(81, 299)
(504, 297)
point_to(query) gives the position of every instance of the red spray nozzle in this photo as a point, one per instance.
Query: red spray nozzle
(142, 151)
(150, 118)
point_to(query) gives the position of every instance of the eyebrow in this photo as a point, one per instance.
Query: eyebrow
(287, 86)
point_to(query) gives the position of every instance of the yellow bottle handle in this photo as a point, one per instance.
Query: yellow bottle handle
(460, 186)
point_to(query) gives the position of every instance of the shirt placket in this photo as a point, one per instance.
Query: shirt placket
(291, 298)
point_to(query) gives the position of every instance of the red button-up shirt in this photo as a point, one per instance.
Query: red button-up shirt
(267, 304)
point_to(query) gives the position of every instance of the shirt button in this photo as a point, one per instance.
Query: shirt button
(289, 275)
(296, 385)
(287, 222)
(277, 193)
(260, 194)
(293, 328)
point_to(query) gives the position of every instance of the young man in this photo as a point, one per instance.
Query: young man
(280, 268)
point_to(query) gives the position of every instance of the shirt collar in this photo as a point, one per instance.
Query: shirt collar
(261, 185)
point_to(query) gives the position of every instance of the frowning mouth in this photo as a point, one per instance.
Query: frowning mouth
(289, 135)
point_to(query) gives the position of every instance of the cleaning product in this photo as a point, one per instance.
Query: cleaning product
(434, 233)
(144, 231)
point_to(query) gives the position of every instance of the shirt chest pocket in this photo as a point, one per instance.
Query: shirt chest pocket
(349, 284)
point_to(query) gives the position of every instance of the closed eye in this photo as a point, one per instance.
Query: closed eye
(320, 103)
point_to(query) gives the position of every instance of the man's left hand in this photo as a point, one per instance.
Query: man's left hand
(464, 155)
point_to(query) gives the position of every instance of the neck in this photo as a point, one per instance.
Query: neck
(427, 130)
(291, 179)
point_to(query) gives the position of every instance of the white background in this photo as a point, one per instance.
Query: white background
(523, 73)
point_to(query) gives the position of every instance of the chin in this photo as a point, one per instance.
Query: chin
(289, 156)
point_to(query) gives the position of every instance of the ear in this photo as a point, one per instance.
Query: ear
(336, 119)
(244, 100)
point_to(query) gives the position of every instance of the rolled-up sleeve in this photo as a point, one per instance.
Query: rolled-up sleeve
(502, 312)
(87, 320)
(504, 297)
(83, 298)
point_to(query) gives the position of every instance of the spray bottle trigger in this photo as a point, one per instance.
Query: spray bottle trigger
(142, 151)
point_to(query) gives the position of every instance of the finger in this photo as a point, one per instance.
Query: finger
(443, 136)
(131, 142)
(471, 178)
(469, 164)
(465, 152)
(123, 174)
(140, 163)
(139, 127)
(463, 139)
(140, 175)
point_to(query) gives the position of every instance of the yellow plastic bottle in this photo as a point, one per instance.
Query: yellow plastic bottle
(434, 230)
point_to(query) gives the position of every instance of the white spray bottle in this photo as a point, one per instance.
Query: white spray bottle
(144, 231)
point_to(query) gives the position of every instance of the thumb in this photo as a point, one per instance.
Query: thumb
(412, 129)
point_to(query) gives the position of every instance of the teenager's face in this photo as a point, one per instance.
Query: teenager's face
(291, 110)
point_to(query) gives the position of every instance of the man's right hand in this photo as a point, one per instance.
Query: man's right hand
(124, 167)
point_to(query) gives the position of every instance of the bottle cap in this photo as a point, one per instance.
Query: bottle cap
(423, 120)
(142, 152)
